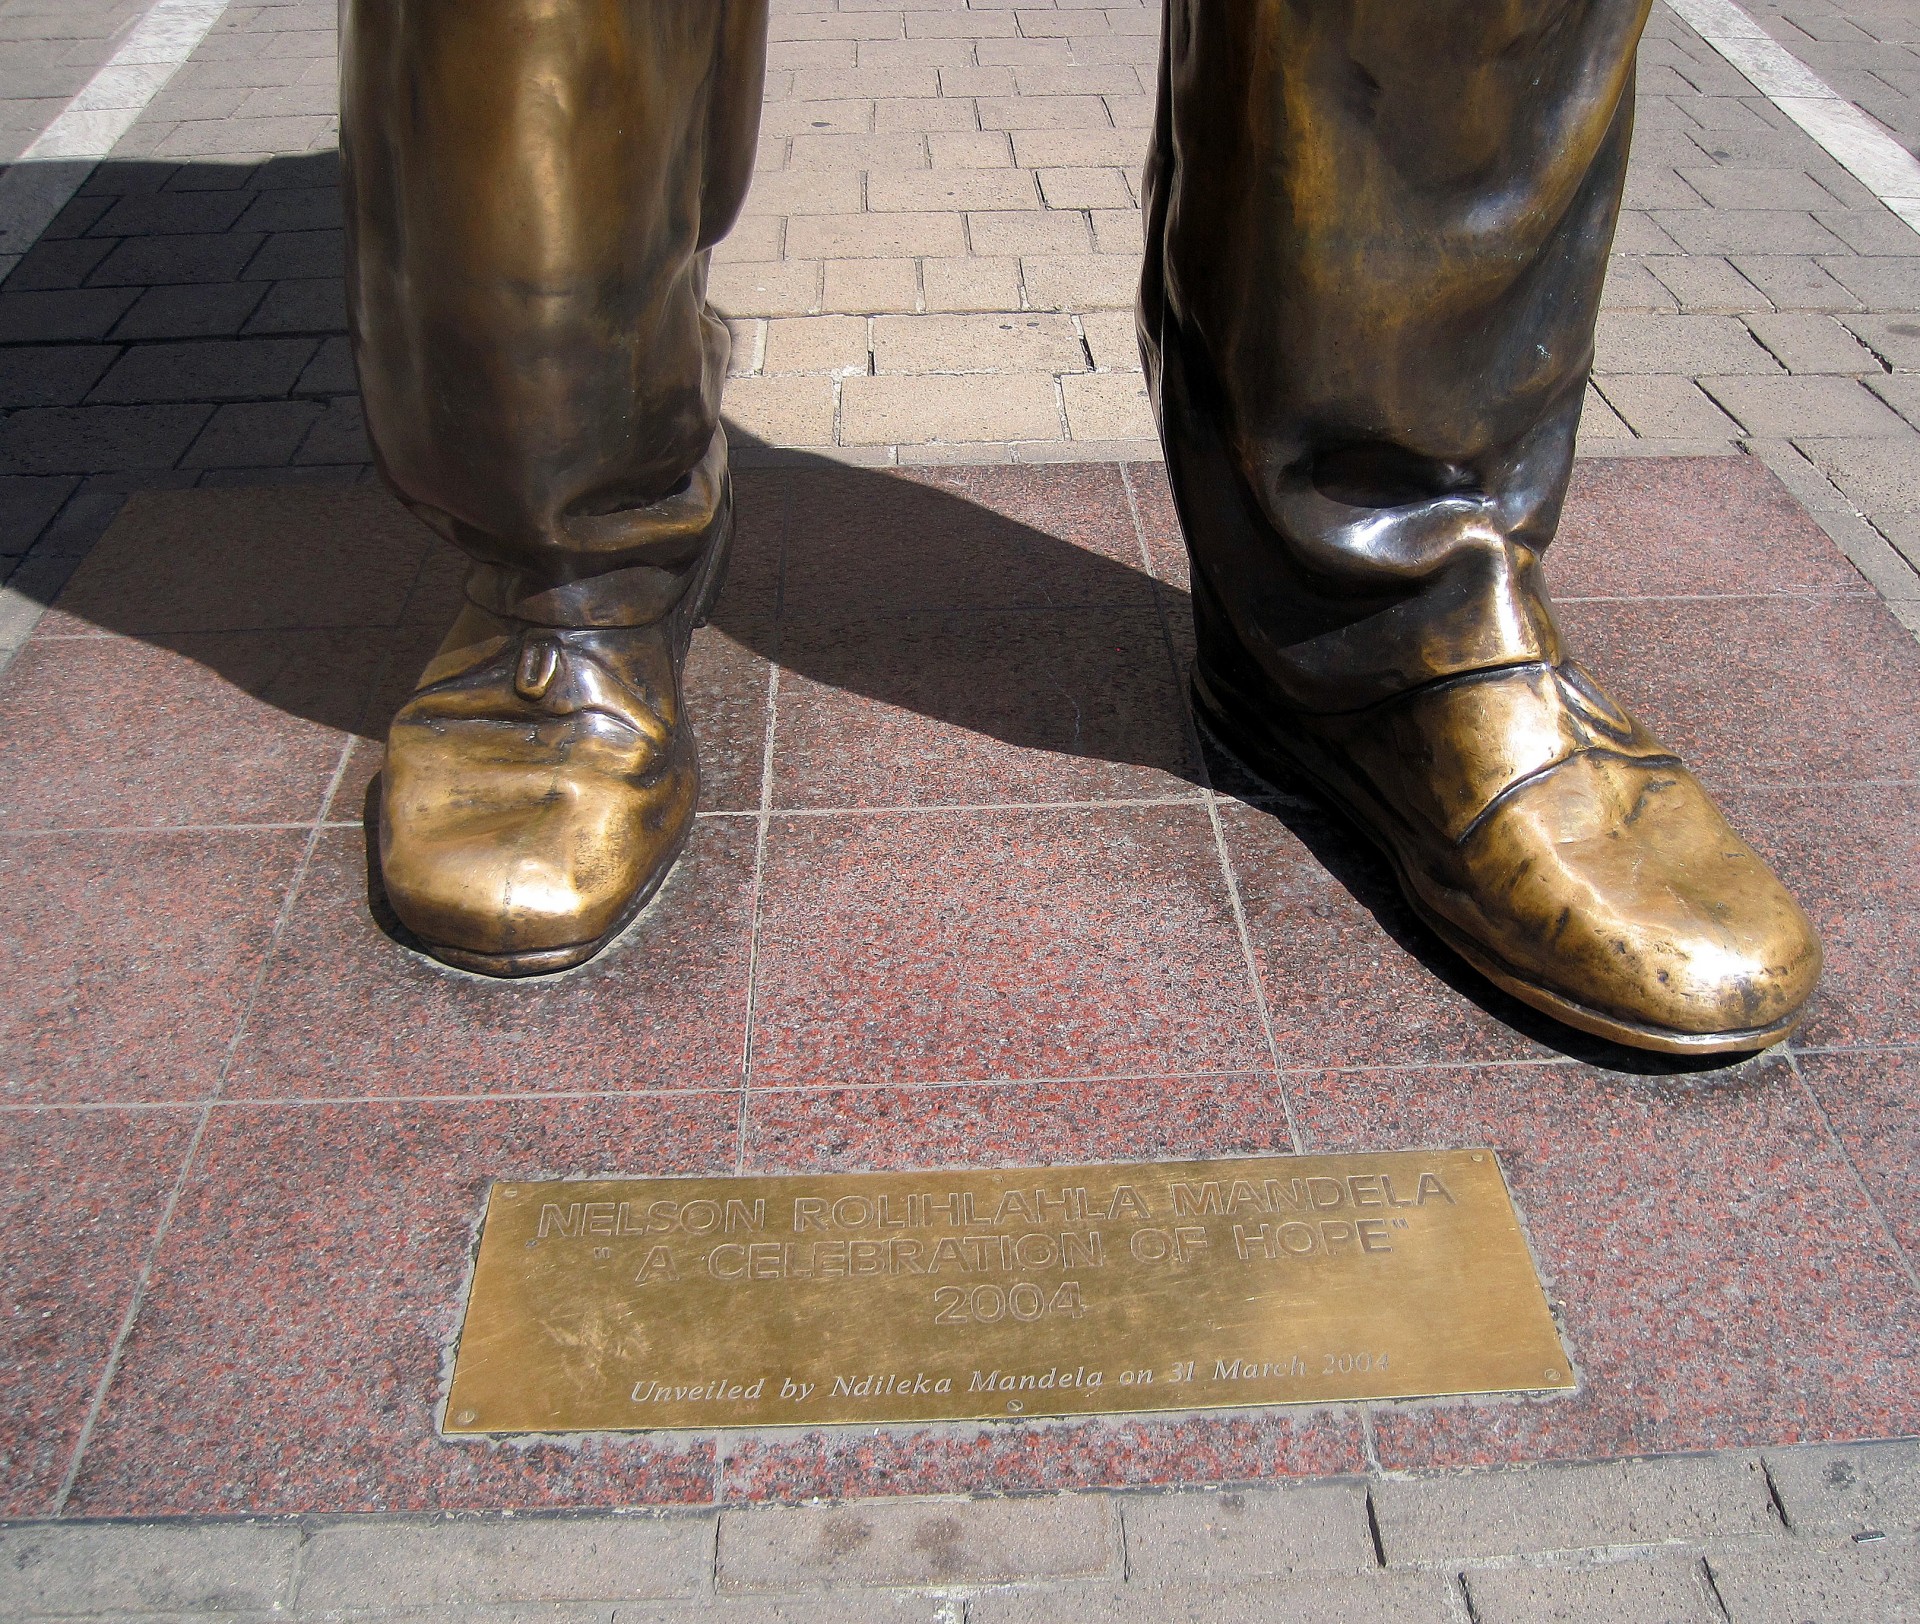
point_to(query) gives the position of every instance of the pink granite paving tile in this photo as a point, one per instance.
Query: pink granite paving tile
(1050, 1124)
(289, 1357)
(1851, 855)
(346, 1010)
(1661, 526)
(984, 707)
(247, 560)
(1014, 1457)
(861, 541)
(1352, 977)
(948, 946)
(1762, 690)
(1719, 1277)
(80, 1193)
(1872, 1101)
(205, 728)
(132, 958)
(1160, 529)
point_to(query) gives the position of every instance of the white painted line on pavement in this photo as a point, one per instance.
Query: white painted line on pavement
(1861, 145)
(37, 185)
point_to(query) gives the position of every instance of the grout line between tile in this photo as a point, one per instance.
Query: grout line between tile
(1212, 803)
(763, 826)
(1866, 1193)
(536, 1096)
(144, 1279)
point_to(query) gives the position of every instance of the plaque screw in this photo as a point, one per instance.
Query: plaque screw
(509, 1193)
(1553, 1375)
(1478, 1157)
(465, 1418)
(1014, 1406)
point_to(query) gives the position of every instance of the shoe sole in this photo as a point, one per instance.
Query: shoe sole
(1284, 768)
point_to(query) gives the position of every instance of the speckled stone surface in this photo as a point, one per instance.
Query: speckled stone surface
(968, 887)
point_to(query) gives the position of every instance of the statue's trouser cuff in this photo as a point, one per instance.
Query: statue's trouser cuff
(532, 193)
(1376, 238)
(670, 540)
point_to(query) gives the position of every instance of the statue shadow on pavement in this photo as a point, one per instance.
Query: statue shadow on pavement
(933, 648)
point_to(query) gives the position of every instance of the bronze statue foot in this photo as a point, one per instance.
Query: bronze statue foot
(538, 786)
(1558, 848)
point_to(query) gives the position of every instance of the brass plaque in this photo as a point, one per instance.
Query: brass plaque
(866, 1297)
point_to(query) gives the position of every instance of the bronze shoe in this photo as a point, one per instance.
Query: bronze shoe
(1555, 845)
(538, 786)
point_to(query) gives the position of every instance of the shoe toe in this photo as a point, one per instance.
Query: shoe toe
(1618, 886)
(519, 869)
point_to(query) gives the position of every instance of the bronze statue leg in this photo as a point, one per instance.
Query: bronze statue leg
(532, 189)
(1376, 236)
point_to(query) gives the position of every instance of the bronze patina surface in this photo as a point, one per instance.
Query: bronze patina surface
(866, 1297)
(1376, 233)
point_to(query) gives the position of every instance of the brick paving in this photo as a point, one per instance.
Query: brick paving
(1791, 1537)
(935, 267)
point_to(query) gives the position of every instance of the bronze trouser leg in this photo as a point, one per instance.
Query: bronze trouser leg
(1376, 236)
(532, 188)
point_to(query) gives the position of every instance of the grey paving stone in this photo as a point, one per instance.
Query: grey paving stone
(65, 264)
(1805, 343)
(1665, 407)
(1756, 188)
(1798, 406)
(85, 518)
(1217, 1538)
(51, 374)
(1554, 1508)
(156, 1568)
(1894, 339)
(255, 434)
(299, 253)
(917, 1542)
(393, 1564)
(1872, 230)
(1706, 283)
(27, 507)
(1849, 1488)
(1877, 475)
(170, 213)
(1865, 1584)
(208, 310)
(1627, 342)
(1878, 282)
(299, 169)
(152, 261)
(1671, 1590)
(331, 370)
(1746, 231)
(294, 208)
(1794, 281)
(74, 219)
(1403, 1598)
(313, 304)
(207, 369)
(339, 436)
(121, 176)
(97, 439)
(838, 1607)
